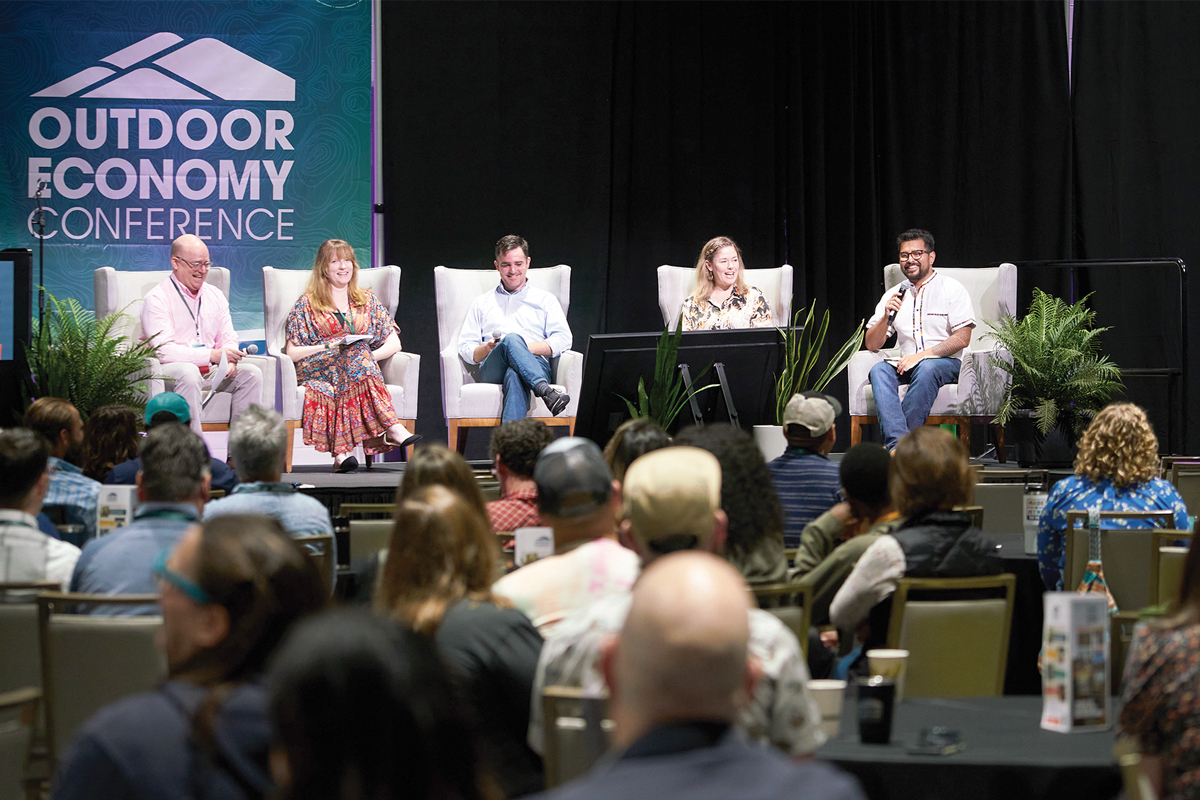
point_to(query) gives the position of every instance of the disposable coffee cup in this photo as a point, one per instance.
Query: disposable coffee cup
(889, 664)
(876, 702)
(828, 695)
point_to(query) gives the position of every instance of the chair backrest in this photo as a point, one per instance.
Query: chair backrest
(1185, 475)
(350, 509)
(320, 549)
(577, 732)
(1003, 506)
(1170, 563)
(283, 287)
(974, 513)
(18, 713)
(957, 647)
(368, 537)
(791, 602)
(118, 290)
(90, 661)
(20, 662)
(1192, 462)
(993, 293)
(456, 289)
(1128, 555)
(676, 283)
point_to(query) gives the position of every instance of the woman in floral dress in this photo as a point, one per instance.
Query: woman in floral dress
(346, 402)
(721, 299)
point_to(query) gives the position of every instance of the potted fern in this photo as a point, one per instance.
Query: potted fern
(1059, 377)
(79, 358)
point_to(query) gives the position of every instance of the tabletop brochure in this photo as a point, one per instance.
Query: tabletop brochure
(1076, 663)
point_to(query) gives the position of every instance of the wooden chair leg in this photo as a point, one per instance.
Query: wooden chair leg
(964, 433)
(571, 426)
(452, 437)
(855, 431)
(292, 425)
(998, 439)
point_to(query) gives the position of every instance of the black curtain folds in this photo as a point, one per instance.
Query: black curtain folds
(618, 136)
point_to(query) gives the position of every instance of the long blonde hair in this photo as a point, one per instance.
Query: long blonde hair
(704, 279)
(320, 293)
(1119, 444)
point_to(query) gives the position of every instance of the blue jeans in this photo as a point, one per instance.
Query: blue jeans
(510, 363)
(897, 417)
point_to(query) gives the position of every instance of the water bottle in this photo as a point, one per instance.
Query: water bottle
(1035, 501)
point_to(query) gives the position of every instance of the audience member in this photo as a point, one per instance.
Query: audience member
(110, 436)
(258, 446)
(438, 465)
(30, 554)
(229, 593)
(1159, 704)
(167, 407)
(578, 498)
(172, 488)
(635, 437)
(832, 543)
(1116, 469)
(438, 580)
(361, 708)
(514, 451)
(679, 676)
(805, 479)
(929, 477)
(672, 502)
(70, 490)
(755, 541)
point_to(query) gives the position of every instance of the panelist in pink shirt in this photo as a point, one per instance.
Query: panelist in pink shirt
(189, 320)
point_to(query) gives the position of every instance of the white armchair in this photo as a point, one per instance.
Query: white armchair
(470, 404)
(676, 283)
(981, 387)
(124, 291)
(281, 289)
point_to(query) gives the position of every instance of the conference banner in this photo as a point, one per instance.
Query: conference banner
(247, 124)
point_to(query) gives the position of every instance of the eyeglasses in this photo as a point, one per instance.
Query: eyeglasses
(181, 582)
(196, 264)
(913, 255)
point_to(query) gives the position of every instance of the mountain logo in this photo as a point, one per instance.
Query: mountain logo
(204, 70)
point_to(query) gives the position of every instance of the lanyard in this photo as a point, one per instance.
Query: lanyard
(165, 513)
(347, 320)
(195, 316)
(278, 488)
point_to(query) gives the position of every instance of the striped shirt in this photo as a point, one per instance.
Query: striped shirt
(808, 485)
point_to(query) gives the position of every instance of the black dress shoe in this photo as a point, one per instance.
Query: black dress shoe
(556, 401)
(349, 465)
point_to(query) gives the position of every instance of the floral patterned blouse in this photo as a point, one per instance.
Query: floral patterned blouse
(1161, 703)
(749, 310)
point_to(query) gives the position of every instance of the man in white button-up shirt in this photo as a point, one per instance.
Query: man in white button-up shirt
(27, 554)
(513, 331)
(932, 318)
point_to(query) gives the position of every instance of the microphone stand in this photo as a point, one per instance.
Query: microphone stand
(41, 223)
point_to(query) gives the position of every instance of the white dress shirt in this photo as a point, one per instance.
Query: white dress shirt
(533, 313)
(187, 326)
(927, 315)
(27, 554)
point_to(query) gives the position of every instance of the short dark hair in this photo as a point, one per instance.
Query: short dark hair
(915, 233)
(634, 438)
(49, 416)
(929, 472)
(864, 474)
(23, 457)
(518, 443)
(511, 242)
(174, 463)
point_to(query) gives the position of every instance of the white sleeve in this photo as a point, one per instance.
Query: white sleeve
(872, 581)
(470, 335)
(558, 333)
(960, 311)
(880, 309)
(60, 562)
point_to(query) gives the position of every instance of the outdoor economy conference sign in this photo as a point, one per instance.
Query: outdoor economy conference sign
(247, 124)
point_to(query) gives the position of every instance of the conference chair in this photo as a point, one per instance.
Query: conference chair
(20, 662)
(1169, 573)
(1003, 505)
(974, 513)
(791, 602)
(401, 371)
(122, 291)
(957, 647)
(577, 732)
(1169, 461)
(1128, 554)
(18, 719)
(466, 402)
(980, 389)
(676, 283)
(1185, 477)
(320, 549)
(90, 661)
(367, 538)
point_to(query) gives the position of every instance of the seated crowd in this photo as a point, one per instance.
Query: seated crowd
(433, 690)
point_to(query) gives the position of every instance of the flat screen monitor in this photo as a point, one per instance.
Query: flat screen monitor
(614, 362)
(16, 268)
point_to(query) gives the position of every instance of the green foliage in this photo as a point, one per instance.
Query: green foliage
(80, 359)
(668, 394)
(1057, 369)
(801, 351)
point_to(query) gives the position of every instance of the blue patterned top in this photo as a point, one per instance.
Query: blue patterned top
(1078, 493)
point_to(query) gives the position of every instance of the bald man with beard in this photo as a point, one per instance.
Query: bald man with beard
(679, 674)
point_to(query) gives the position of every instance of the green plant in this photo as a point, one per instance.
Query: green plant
(79, 358)
(800, 353)
(1056, 369)
(668, 394)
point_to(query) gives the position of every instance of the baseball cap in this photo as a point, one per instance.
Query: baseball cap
(572, 478)
(672, 492)
(170, 402)
(812, 411)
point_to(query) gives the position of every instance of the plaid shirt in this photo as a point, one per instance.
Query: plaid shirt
(75, 492)
(515, 510)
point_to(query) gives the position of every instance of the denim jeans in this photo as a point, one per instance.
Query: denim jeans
(897, 417)
(511, 364)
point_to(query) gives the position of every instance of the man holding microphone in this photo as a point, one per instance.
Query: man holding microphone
(189, 320)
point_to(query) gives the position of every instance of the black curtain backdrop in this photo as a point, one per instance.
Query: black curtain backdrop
(620, 136)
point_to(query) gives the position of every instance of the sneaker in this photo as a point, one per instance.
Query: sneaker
(556, 401)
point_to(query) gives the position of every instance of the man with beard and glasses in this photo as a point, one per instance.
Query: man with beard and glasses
(70, 489)
(932, 317)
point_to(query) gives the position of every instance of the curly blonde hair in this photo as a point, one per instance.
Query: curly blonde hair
(1120, 445)
(704, 279)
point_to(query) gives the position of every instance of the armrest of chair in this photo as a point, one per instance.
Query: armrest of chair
(454, 374)
(567, 370)
(981, 385)
(858, 373)
(266, 365)
(403, 369)
(293, 407)
(152, 378)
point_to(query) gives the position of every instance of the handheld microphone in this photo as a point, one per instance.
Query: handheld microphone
(251, 349)
(497, 334)
(892, 315)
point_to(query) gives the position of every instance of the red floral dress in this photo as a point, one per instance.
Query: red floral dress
(346, 402)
